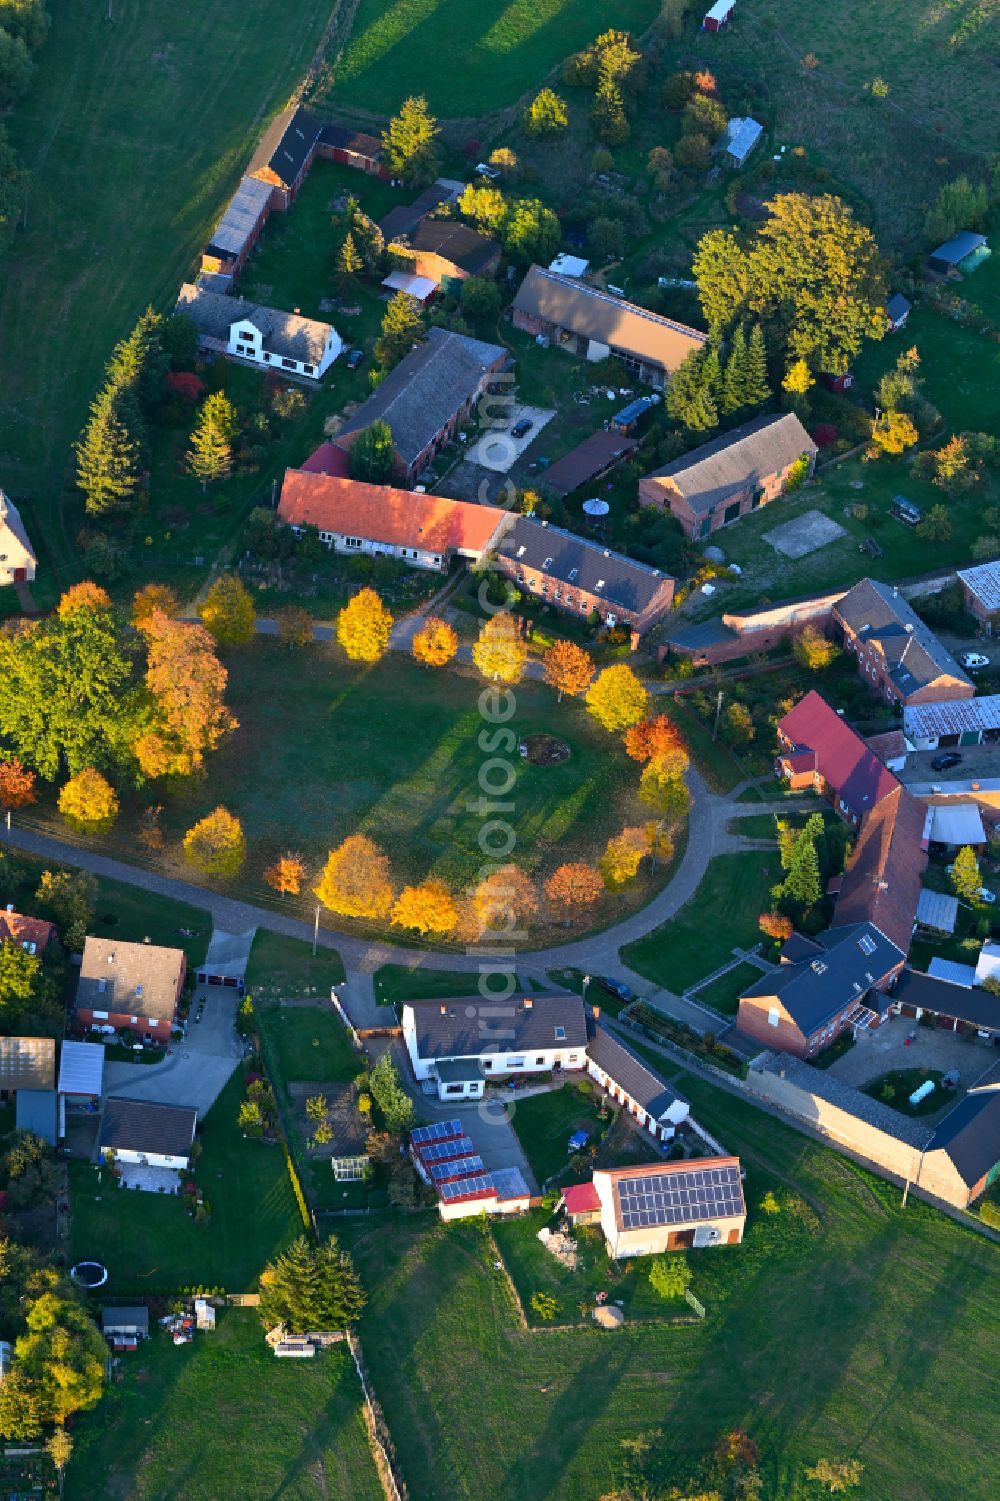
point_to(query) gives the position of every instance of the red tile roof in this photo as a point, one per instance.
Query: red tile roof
(881, 884)
(327, 459)
(15, 928)
(843, 759)
(581, 1198)
(379, 513)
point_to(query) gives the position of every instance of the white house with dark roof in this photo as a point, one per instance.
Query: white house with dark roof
(144, 1134)
(458, 1044)
(262, 336)
(17, 556)
(630, 1081)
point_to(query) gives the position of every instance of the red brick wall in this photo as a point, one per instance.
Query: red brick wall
(784, 1038)
(123, 1022)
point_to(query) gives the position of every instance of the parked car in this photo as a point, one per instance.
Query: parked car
(617, 988)
(987, 896)
(973, 661)
(946, 762)
(354, 358)
(522, 426)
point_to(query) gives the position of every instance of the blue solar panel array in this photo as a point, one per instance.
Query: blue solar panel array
(441, 1151)
(461, 1167)
(437, 1132)
(481, 1185)
(509, 1183)
(680, 1197)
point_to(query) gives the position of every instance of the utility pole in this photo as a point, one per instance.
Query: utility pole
(274, 492)
(316, 930)
(916, 1180)
(718, 711)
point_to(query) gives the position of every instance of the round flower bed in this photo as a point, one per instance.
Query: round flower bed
(545, 750)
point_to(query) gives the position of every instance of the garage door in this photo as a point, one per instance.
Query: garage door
(969, 737)
(204, 978)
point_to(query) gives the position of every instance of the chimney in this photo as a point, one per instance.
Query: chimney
(528, 1003)
(10, 906)
(443, 1009)
(596, 1011)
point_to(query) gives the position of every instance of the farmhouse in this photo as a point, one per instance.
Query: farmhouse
(445, 252)
(839, 982)
(26, 1063)
(732, 475)
(31, 933)
(817, 749)
(579, 576)
(962, 1158)
(133, 987)
(961, 253)
(590, 460)
(958, 721)
(981, 590)
(898, 655)
(626, 1078)
(17, 556)
(140, 1133)
(458, 1044)
(423, 531)
(426, 398)
(262, 336)
(742, 135)
(594, 325)
(671, 1206)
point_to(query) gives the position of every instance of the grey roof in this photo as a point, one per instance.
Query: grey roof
(970, 1135)
(897, 305)
(286, 144)
(980, 1008)
(426, 389)
(813, 990)
(936, 909)
(691, 638)
(242, 215)
(453, 241)
(27, 1063)
(140, 1126)
(405, 217)
(727, 466)
(581, 564)
(344, 138)
(125, 1318)
(958, 247)
(984, 582)
(458, 1070)
(141, 979)
(591, 313)
(951, 716)
(742, 134)
(827, 1086)
(36, 1112)
(914, 655)
(285, 334)
(627, 1069)
(471, 1027)
(81, 1068)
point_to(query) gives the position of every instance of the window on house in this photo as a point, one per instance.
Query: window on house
(288, 364)
(773, 1017)
(560, 1034)
(539, 1060)
(307, 369)
(134, 1020)
(100, 1015)
(515, 1062)
(866, 944)
(352, 541)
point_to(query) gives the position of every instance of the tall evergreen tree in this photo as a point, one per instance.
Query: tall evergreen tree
(349, 262)
(711, 373)
(735, 382)
(689, 398)
(211, 454)
(107, 456)
(402, 327)
(310, 1287)
(139, 363)
(758, 390)
(410, 143)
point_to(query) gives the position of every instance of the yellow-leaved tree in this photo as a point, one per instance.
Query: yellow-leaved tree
(504, 900)
(88, 802)
(227, 611)
(500, 651)
(623, 856)
(617, 699)
(429, 907)
(83, 596)
(355, 880)
(363, 627)
(435, 643)
(216, 845)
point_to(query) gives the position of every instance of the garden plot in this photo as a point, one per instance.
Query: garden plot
(805, 534)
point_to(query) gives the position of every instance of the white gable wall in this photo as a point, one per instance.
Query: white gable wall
(248, 342)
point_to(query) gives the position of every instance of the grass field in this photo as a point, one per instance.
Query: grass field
(876, 1337)
(223, 1418)
(493, 56)
(280, 966)
(398, 982)
(150, 1243)
(544, 1124)
(735, 891)
(308, 1043)
(134, 133)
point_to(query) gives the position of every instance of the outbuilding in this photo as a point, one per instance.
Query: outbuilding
(581, 1203)
(897, 310)
(147, 1134)
(671, 1206)
(125, 1327)
(742, 134)
(963, 721)
(719, 16)
(981, 590)
(962, 252)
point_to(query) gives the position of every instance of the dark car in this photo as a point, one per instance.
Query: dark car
(617, 988)
(524, 425)
(946, 762)
(354, 358)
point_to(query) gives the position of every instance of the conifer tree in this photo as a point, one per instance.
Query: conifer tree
(349, 262)
(410, 143)
(734, 384)
(211, 454)
(711, 374)
(757, 389)
(107, 457)
(402, 327)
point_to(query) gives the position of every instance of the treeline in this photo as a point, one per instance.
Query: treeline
(24, 25)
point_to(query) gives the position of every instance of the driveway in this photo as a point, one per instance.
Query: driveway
(879, 1052)
(498, 449)
(197, 1069)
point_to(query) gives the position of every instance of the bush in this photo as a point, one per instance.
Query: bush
(990, 1214)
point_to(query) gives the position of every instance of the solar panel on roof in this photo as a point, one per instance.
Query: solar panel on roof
(436, 1132)
(509, 1183)
(442, 1151)
(680, 1197)
(480, 1186)
(458, 1167)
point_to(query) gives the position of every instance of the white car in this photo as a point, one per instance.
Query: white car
(986, 895)
(973, 660)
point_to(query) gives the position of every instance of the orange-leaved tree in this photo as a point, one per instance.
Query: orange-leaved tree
(435, 643)
(153, 597)
(572, 886)
(286, 874)
(429, 907)
(504, 900)
(295, 626)
(363, 627)
(84, 596)
(775, 925)
(623, 856)
(216, 845)
(617, 699)
(568, 668)
(355, 880)
(500, 651)
(88, 801)
(652, 737)
(17, 784)
(186, 682)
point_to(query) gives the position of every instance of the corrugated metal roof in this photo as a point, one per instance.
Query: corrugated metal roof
(938, 910)
(81, 1068)
(959, 823)
(984, 582)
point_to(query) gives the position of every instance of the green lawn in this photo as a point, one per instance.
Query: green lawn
(308, 1043)
(870, 1299)
(400, 982)
(286, 967)
(724, 993)
(202, 1422)
(713, 759)
(134, 134)
(895, 1088)
(722, 915)
(493, 55)
(544, 1124)
(149, 1243)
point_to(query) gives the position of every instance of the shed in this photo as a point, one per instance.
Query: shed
(952, 971)
(587, 462)
(569, 265)
(897, 310)
(36, 1112)
(957, 824)
(937, 910)
(422, 288)
(742, 134)
(122, 1322)
(950, 255)
(981, 587)
(81, 1070)
(953, 721)
(719, 15)
(582, 1203)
